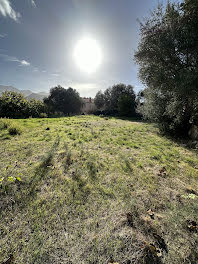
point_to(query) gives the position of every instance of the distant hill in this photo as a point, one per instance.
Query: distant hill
(37, 96)
(8, 88)
(27, 93)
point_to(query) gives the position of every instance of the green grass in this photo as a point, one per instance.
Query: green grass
(66, 193)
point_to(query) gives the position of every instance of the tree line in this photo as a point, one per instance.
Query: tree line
(60, 102)
(119, 99)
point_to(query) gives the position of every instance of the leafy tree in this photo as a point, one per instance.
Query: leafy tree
(119, 90)
(107, 99)
(111, 96)
(168, 58)
(126, 106)
(99, 100)
(63, 100)
(13, 105)
(36, 108)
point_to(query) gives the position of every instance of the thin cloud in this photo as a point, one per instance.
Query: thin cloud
(15, 59)
(55, 74)
(24, 63)
(3, 35)
(6, 10)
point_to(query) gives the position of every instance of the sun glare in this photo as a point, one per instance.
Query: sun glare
(87, 55)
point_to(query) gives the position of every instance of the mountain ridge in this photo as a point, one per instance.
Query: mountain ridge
(27, 93)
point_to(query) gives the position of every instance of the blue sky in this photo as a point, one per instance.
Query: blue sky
(37, 40)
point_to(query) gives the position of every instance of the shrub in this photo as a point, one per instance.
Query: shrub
(43, 115)
(14, 130)
(15, 105)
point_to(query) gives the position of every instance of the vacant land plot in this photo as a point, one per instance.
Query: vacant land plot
(87, 189)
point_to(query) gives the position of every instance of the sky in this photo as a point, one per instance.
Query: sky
(38, 40)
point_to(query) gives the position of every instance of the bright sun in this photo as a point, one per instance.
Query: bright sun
(87, 55)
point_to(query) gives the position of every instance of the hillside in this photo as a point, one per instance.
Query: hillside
(89, 189)
(27, 93)
(37, 96)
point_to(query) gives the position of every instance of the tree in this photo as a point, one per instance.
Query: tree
(99, 100)
(36, 108)
(126, 106)
(63, 100)
(13, 105)
(119, 90)
(111, 96)
(168, 58)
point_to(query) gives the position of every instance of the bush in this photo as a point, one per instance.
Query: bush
(57, 114)
(15, 105)
(43, 115)
(14, 130)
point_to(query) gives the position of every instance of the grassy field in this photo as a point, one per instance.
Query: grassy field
(92, 190)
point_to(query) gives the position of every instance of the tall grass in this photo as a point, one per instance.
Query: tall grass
(12, 127)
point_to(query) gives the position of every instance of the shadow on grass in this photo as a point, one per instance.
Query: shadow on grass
(26, 191)
(43, 168)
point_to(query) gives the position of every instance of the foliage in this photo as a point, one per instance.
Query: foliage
(63, 100)
(43, 115)
(114, 96)
(99, 100)
(167, 56)
(36, 108)
(15, 105)
(126, 106)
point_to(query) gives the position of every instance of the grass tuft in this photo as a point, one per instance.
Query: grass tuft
(14, 130)
(4, 123)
